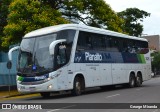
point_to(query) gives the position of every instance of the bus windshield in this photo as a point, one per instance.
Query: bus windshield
(34, 58)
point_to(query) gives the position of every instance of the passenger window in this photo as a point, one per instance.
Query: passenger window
(84, 41)
(98, 42)
(113, 44)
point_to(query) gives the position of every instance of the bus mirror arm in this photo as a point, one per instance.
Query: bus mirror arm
(10, 52)
(53, 45)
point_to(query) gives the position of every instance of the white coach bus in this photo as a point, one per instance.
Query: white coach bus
(74, 57)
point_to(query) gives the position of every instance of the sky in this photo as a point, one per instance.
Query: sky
(151, 24)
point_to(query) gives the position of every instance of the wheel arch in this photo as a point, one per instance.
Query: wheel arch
(132, 73)
(82, 78)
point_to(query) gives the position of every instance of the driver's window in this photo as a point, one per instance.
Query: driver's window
(61, 57)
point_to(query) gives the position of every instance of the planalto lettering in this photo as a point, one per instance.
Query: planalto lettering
(40, 78)
(93, 57)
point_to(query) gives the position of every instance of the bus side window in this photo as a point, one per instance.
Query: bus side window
(142, 47)
(107, 43)
(98, 42)
(84, 41)
(114, 44)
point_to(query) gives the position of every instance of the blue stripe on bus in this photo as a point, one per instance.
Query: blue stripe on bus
(32, 79)
(105, 57)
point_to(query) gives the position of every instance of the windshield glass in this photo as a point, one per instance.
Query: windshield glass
(34, 58)
(26, 53)
(42, 56)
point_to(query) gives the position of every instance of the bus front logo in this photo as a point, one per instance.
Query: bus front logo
(40, 78)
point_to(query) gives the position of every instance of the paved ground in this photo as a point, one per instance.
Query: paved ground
(148, 93)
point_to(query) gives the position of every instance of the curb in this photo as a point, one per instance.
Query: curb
(17, 96)
(9, 96)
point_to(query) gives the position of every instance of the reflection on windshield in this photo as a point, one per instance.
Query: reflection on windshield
(42, 56)
(25, 59)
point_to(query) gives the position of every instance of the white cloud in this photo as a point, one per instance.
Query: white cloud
(151, 24)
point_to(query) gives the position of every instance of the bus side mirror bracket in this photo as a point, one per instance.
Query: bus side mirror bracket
(53, 44)
(9, 63)
(10, 52)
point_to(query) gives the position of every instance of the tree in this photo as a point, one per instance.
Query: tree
(33, 14)
(90, 12)
(156, 61)
(27, 15)
(4, 4)
(133, 18)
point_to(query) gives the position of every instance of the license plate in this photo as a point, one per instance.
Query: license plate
(32, 88)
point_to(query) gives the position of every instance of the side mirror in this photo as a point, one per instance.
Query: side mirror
(53, 44)
(10, 52)
(9, 64)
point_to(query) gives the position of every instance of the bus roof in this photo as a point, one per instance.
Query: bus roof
(52, 29)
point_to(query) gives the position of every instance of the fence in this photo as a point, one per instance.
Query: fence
(5, 77)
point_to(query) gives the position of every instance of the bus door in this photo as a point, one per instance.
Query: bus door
(61, 61)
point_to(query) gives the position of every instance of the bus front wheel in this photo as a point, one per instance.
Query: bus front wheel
(77, 87)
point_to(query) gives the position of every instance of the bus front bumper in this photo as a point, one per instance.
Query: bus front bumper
(49, 86)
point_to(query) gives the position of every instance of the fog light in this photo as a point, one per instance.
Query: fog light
(19, 89)
(18, 81)
(49, 87)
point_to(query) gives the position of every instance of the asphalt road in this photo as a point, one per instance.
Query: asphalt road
(148, 93)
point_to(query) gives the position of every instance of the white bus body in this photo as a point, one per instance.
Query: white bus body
(96, 57)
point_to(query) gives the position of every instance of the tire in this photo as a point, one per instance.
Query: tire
(45, 94)
(138, 80)
(132, 81)
(77, 87)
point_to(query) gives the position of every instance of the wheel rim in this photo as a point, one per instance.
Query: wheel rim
(78, 87)
(138, 80)
(132, 82)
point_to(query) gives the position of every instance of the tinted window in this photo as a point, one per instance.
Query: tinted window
(84, 41)
(67, 34)
(98, 42)
(93, 41)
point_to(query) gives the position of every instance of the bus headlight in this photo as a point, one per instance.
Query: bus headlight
(49, 78)
(49, 87)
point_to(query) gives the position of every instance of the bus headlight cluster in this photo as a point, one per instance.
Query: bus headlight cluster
(53, 76)
(18, 81)
(49, 78)
(49, 87)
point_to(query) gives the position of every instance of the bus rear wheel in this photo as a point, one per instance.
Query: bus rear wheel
(132, 81)
(138, 80)
(77, 87)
